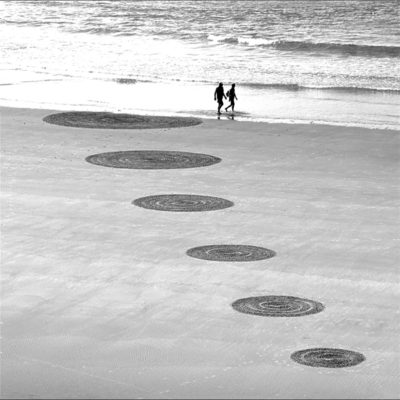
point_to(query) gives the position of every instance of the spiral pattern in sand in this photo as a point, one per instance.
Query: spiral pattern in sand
(152, 159)
(277, 306)
(327, 358)
(226, 252)
(107, 120)
(182, 202)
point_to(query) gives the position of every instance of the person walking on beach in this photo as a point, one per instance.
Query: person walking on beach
(231, 96)
(219, 95)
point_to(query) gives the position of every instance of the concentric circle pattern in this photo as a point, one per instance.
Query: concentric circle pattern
(327, 358)
(182, 202)
(226, 252)
(277, 306)
(106, 120)
(152, 159)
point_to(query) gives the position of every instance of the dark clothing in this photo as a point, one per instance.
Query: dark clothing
(231, 96)
(219, 91)
(219, 95)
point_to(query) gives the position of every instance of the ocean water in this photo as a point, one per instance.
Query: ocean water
(333, 62)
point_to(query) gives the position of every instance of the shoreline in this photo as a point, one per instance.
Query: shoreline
(270, 105)
(100, 292)
(205, 115)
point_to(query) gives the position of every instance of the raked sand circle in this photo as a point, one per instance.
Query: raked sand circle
(226, 252)
(277, 306)
(182, 203)
(152, 159)
(107, 120)
(327, 358)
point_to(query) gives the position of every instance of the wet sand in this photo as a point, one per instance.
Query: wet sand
(100, 299)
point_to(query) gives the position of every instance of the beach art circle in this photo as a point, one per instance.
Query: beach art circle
(277, 306)
(152, 159)
(107, 120)
(327, 358)
(226, 252)
(182, 202)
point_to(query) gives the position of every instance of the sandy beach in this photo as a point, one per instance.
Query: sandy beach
(100, 299)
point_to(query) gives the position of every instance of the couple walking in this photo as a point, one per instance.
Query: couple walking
(219, 95)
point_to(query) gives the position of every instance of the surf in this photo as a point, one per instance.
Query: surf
(350, 49)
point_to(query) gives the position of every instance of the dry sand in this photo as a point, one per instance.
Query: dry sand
(99, 299)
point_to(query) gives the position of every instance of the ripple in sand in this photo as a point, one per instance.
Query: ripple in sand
(152, 159)
(106, 120)
(182, 202)
(226, 252)
(327, 358)
(277, 306)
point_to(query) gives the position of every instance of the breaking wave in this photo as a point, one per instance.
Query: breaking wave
(258, 85)
(296, 87)
(304, 46)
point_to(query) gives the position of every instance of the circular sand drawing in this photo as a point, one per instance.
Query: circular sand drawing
(182, 202)
(327, 358)
(277, 306)
(152, 159)
(226, 252)
(107, 120)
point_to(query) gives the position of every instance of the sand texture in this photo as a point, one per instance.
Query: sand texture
(101, 300)
(107, 120)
